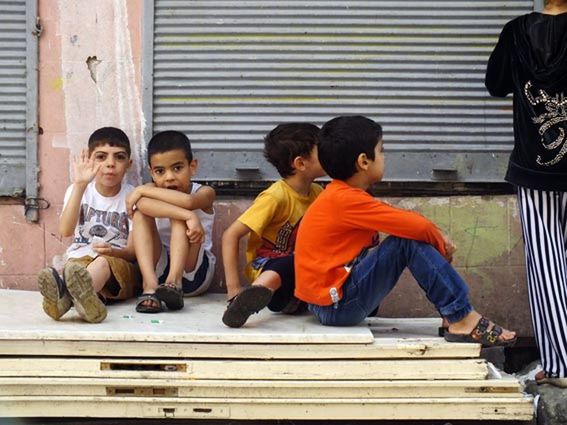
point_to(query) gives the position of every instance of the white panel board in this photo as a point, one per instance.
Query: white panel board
(200, 321)
(520, 409)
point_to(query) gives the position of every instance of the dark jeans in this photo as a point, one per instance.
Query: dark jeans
(376, 272)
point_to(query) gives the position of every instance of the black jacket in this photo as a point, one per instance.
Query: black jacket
(530, 61)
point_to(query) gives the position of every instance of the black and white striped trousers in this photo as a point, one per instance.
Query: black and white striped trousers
(544, 222)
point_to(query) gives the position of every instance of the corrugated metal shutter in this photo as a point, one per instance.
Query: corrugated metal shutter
(226, 72)
(13, 97)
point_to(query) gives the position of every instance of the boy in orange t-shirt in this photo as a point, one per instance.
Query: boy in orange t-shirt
(343, 273)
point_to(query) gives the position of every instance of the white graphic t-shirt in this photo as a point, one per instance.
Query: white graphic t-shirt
(101, 217)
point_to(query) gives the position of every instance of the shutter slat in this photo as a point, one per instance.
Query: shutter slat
(226, 72)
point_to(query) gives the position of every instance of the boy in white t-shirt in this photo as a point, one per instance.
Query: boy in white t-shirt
(100, 260)
(173, 220)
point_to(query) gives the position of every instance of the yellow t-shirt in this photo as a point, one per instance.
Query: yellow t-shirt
(273, 218)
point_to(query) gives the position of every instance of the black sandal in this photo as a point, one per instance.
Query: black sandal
(171, 295)
(481, 335)
(155, 307)
(249, 300)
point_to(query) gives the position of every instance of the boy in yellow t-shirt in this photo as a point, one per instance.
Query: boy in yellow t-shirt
(271, 223)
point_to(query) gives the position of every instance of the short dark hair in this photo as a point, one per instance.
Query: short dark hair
(169, 140)
(342, 140)
(288, 141)
(109, 136)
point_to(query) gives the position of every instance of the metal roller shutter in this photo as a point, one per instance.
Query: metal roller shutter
(18, 99)
(226, 72)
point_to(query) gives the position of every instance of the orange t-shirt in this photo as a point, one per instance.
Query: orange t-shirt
(341, 222)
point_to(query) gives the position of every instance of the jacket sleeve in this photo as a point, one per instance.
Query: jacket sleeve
(498, 78)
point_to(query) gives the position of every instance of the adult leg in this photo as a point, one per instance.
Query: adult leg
(543, 216)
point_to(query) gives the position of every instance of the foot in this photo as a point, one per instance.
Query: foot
(249, 300)
(56, 299)
(149, 303)
(542, 378)
(443, 328)
(476, 328)
(86, 301)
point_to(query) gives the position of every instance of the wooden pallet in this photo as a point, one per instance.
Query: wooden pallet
(519, 409)
(188, 365)
(380, 348)
(246, 369)
(256, 389)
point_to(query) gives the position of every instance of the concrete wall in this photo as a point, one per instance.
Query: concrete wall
(489, 255)
(90, 71)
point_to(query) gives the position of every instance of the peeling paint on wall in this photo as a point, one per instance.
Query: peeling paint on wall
(99, 82)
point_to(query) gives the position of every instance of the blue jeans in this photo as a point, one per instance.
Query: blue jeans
(375, 273)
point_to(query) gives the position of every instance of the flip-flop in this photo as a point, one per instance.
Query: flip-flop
(249, 300)
(156, 307)
(171, 295)
(481, 335)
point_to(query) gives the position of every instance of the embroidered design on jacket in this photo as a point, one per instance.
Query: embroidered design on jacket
(555, 113)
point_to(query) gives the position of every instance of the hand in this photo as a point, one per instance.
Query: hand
(131, 201)
(450, 248)
(195, 232)
(102, 248)
(85, 167)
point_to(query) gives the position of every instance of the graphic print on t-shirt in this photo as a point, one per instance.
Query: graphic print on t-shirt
(111, 226)
(285, 241)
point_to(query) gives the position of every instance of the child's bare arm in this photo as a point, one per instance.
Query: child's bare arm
(202, 199)
(160, 209)
(85, 170)
(230, 244)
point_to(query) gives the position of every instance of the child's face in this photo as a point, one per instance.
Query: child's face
(376, 167)
(114, 163)
(312, 164)
(172, 170)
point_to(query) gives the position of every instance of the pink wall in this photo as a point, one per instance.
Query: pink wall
(71, 106)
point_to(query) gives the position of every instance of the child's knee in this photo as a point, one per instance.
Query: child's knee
(100, 263)
(178, 226)
(141, 219)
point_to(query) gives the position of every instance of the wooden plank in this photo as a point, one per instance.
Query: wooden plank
(245, 369)
(199, 322)
(502, 388)
(381, 348)
(519, 409)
